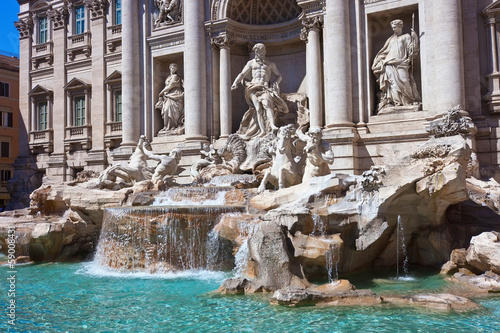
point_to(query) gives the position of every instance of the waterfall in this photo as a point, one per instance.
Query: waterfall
(332, 257)
(241, 260)
(319, 226)
(193, 196)
(160, 239)
(401, 245)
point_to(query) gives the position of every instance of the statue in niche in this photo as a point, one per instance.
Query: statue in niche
(169, 12)
(171, 104)
(262, 95)
(319, 154)
(393, 67)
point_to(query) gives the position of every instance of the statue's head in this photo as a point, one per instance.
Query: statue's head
(259, 49)
(397, 24)
(173, 67)
(315, 134)
(176, 153)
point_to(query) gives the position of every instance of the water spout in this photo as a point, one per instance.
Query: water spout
(401, 246)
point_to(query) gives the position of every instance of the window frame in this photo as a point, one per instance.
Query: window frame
(79, 111)
(43, 30)
(42, 117)
(2, 150)
(4, 89)
(117, 15)
(80, 22)
(117, 105)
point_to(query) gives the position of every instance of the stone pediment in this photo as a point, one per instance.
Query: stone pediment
(39, 6)
(492, 9)
(76, 84)
(40, 91)
(113, 77)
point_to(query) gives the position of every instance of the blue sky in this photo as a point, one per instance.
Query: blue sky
(9, 39)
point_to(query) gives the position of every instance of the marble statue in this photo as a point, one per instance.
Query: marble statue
(171, 103)
(169, 12)
(211, 158)
(136, 169)
(167, 165)
(262, 95)
(284, 171)
(318, 152)
(393, 66)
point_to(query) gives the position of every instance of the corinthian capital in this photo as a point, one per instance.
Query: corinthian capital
(24, 26)
(97, 7)
(221, 42)
(58, 17)
(311, 23)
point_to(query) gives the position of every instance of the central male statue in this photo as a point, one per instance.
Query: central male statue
(262, 95)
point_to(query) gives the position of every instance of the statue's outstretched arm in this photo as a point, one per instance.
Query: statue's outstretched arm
(246, 70)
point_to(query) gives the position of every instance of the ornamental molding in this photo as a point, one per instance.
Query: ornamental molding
(24, 26)
(311, 23)
(97, 8)
(58, 17)
(220, 42)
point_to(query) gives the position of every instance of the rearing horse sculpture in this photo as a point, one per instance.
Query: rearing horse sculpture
(285, 171)
(136, 170)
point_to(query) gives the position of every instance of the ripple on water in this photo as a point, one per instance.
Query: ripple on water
(76, 298)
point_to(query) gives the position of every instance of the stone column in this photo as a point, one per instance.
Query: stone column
(97, 116)
(131, 82)
(24, 26)
(444, 47)
(195, 76)
(311, 35)
(337, 64)
(224, 85)
(215, 90)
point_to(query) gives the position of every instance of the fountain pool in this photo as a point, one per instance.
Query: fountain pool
(84, 298)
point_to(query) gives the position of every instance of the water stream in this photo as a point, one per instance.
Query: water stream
(401, 250)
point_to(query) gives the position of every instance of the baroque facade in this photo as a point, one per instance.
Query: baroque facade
(93, 72)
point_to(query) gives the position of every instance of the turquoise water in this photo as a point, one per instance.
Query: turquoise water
(80, 298)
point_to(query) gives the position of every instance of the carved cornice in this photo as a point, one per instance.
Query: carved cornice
(311, 23)
(221, 42)
(25, 27)
(58, 17)
(97, 8)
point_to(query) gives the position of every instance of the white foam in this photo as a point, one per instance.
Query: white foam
(95, 270)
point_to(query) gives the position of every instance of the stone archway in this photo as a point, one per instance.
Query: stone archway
(256, 12)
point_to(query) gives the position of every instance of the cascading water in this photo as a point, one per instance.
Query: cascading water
(160, 239)
(401, 246)
(332, 257)
(319, 226)
(193, 196)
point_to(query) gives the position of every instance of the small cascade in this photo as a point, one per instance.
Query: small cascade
(332, 257)
(241, 260)
(401, 246)
(193, 196)
(228, 180)
(161, 239)
(319, 226)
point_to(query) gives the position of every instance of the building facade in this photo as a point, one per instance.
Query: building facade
(92, 71)
(9, 122)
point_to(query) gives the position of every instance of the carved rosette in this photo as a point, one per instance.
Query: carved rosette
(221, 42)
(311, 23)
(97, 8)
(24, 26)
(58, 17)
